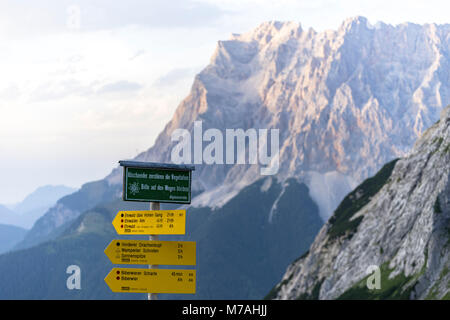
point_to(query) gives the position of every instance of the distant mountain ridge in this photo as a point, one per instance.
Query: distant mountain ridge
(10, 236)
(33, 206)
(6, 215)
(242, 247)
(67, 209)
(44, 196)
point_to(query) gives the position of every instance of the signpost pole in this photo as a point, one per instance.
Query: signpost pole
(153, 206)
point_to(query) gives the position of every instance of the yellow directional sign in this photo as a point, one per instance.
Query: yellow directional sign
(151, 280)
(151, 252)
(150, 222)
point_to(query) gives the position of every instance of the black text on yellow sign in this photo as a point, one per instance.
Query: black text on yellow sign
(151, 280)
(152, 252)
(150, 222)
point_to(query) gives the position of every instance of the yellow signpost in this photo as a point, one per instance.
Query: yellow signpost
(151, 280)
(150, 222)
(152, 252)
(153, 182)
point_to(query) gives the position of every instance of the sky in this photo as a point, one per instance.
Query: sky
(84, 84)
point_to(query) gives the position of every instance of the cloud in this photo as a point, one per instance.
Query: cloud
(30, 17)
(137, 54)
(120, 86)
(54, 90)
(11, 92)
(175, 76)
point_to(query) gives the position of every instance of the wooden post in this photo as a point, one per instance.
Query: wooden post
(153, 206)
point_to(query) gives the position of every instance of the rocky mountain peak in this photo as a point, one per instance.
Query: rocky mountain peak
(269, 31)
(345, 101)
(355, 22)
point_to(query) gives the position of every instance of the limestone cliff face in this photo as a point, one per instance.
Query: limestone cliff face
(398, 220)
(346, 101)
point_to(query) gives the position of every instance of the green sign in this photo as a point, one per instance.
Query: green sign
(156, 185)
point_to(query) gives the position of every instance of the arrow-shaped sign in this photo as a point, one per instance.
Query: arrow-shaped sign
(151, 252)
(150, 222)
(151, 280)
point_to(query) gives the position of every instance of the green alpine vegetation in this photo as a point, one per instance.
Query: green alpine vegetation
(341, 223)
(242, 247)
